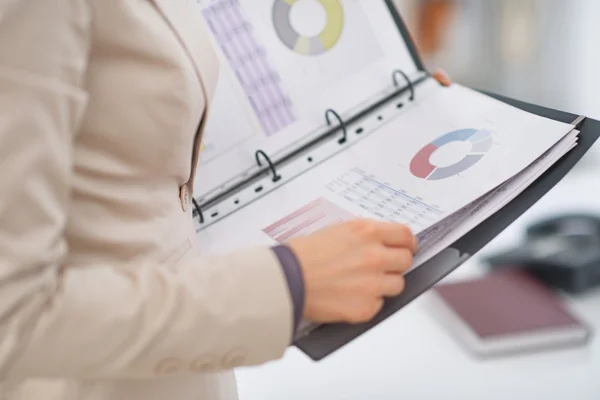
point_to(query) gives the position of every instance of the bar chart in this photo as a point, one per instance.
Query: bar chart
(248, 60)
(314, 216)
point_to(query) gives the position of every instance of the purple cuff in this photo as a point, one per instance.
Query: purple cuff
(295, 280)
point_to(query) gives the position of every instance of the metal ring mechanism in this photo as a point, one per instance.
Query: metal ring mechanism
(410, 84)
(257, 156)
(330, 112)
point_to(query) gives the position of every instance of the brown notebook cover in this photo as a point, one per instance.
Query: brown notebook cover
(506, 312)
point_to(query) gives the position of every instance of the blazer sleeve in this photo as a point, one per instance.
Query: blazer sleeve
(102, 321)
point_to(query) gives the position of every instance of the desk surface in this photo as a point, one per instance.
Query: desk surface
(411, 356)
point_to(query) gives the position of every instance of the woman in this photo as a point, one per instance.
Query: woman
(103, 295)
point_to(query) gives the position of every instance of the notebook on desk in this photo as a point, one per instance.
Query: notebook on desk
(507, 312)
(327, 114)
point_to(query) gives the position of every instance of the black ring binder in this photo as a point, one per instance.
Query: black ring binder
(257, 155)
(198, 210)
(342, 124)
(410, 84)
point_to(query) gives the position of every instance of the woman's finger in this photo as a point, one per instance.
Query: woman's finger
(442, 77)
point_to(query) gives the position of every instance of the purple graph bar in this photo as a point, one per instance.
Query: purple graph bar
(248, 59)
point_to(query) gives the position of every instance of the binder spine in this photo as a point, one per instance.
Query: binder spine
(300, 160)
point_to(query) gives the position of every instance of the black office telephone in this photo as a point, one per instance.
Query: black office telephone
(562, 251)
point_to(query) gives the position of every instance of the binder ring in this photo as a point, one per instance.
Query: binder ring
(198, 210)
(257, 155)
(341, 122)
(410, 84)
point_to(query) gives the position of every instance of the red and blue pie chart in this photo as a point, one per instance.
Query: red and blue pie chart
(421, 167)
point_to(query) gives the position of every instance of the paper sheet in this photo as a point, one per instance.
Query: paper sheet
(283, 64)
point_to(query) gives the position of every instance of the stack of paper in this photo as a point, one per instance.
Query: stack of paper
(442, 168)
(443, 234)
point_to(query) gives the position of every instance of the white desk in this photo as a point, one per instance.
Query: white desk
(410, 356)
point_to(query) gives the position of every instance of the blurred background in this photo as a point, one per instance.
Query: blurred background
(542, 51)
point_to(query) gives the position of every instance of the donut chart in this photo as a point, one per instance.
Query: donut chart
(481, 141)
(308, 45)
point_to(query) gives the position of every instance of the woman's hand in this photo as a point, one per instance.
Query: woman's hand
(351, 267)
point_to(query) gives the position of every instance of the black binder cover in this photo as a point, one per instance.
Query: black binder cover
(328, 338)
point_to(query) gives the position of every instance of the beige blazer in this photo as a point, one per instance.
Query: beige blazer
(103, 294)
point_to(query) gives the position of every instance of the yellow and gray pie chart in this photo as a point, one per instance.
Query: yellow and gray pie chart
(309, 45)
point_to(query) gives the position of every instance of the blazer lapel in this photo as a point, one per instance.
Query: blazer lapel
(186, 21)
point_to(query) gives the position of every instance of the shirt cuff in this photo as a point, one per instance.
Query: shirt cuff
(293, 273)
